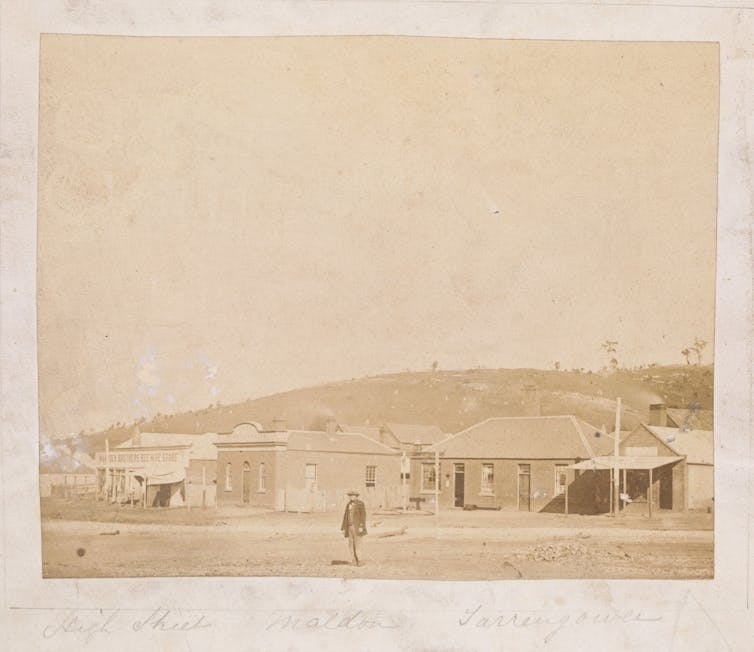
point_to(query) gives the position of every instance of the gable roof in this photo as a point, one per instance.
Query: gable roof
(376, 433)
(368, 431)
(59, 458)
(201, 446)
(408, 433)
(336, 442)
(690, 418)
(556, 437)
(696, 445)
(155, 439)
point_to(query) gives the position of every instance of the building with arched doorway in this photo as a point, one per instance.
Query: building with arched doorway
(304, 470)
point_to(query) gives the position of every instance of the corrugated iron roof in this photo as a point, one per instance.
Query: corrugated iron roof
(154, 439)
(201, 446)
(630, 462)
(375, 433)
(59, 458)
(692, 419)
(549, 437)
(408, 433)
(336, 442)
(697, 445)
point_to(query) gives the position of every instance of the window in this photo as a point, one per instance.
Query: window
(262, 478)
(310, 476)
(371, 475)
(228, 477)
(429, 477)
(561, 479)
(488, 479)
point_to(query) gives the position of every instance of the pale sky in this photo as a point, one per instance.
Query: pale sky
(221, 219)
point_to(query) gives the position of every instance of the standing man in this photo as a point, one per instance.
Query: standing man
(354, 524)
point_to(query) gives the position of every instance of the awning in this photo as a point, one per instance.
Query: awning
(161, 476)
(631, 462)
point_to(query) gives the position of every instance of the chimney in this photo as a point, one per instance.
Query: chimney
(658, 415)
(331, 425)
(278, 424)
(532, 401)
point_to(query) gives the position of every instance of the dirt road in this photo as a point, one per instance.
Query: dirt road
(470, 547)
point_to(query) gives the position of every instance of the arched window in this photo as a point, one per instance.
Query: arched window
(262, 478)
(228, 477)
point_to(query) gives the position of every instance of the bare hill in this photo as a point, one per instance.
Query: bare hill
(452, 400)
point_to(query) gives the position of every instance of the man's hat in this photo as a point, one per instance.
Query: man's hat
(352, 492)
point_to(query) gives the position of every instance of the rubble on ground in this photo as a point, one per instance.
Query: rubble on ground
(569, 550)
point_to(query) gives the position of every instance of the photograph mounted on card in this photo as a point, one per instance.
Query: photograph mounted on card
(376, 307)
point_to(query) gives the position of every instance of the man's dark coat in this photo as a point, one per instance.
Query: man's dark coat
(359, 518)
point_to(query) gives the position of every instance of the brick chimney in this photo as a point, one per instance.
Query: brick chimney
(278, 424)
(658, 415)
(331, 425)
(532, 401)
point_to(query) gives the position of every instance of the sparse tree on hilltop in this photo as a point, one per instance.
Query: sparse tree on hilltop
(686, 353)
(697, 348)
(610, 347)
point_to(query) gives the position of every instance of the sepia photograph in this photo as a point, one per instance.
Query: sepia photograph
(376, 307)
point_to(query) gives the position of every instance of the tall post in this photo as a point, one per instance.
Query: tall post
(106, 486)
(612, 487)
(404, 466)
(204, 486)
(649, 493)
(566, 492)
(616, 455)
(437, 486)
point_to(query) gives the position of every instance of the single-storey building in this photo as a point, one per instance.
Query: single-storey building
(157, 469)
(304, 470)
(65, 473)
(661, 467)
(400, 436)
(514, 463)
(691, 418)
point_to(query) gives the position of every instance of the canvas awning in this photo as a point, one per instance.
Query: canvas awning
(630, 462)
(161, 476)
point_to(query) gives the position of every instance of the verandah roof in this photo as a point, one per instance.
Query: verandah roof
(634, 462)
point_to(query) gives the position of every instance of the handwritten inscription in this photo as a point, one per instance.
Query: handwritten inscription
(164, 621)
(333, 620)
(551, 624)
(86, 625)
(89, 625)
(92, 624)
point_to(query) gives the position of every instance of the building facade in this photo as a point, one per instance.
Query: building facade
(304, 470)
(160, 470)
(512, 463)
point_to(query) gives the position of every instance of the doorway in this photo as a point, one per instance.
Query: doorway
(665, 479)
(524, 487)
(459, 475)
(246, 482)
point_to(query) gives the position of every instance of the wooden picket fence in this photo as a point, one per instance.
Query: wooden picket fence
(292, 499)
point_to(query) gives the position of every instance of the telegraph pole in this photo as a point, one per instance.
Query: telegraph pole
(437, 487)
(107, 470)
(616, 455)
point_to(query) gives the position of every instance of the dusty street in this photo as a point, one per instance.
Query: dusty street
(458, 545)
